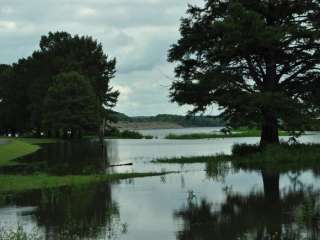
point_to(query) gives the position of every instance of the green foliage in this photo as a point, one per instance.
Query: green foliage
(70, 104)
(245, 149)
(258, 60)
(26, 83)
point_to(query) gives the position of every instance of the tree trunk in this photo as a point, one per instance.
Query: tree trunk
(271, 186)
(269, 132)
(272, 203)
(102, 131)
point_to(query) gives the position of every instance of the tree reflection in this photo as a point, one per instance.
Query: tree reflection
(76, 213)
(271, 214)
(68, 157)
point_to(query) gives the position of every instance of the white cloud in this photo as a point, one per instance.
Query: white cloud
(87, 12)
(7, 25)
(138, 33)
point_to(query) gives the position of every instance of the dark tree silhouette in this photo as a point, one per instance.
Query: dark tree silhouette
(258, 60)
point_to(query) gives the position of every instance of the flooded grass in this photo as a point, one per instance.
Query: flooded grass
(16, 184)
(281, 157)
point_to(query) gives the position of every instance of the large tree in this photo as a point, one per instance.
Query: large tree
(13, 101)
(257, 59)
(70, 105)
(60, 52)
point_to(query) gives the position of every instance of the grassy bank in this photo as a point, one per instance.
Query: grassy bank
(19, 147)
(15, 149)
(16, 184)
(277, 157)
(236, 134)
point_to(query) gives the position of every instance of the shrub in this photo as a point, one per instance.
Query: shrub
(245, 149)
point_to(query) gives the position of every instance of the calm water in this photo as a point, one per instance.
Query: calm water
(200, 202)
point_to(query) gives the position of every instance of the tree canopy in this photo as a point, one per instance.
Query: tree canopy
(258, 60)
(70, 105)
(32, 77)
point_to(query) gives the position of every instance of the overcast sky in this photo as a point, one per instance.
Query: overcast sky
(137, 32)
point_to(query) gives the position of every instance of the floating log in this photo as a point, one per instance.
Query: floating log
(120, 165)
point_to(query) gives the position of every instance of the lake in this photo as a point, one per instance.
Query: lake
(201, 202)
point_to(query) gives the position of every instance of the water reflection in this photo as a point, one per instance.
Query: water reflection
(72, 213)
(213, 201)
(270, 214)
(67, 157)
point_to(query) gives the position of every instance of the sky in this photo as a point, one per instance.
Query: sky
(137, 32)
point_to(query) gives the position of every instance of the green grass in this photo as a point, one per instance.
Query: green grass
(32, 140)
(16, 184)
(15, 149)
(235, 134)
(38, 140)
(19, 147)
(275, 157)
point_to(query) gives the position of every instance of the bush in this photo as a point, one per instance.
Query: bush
(131, 135)
(245, 149)
(115, 133)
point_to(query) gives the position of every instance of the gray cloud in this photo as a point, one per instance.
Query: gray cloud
(138, 33)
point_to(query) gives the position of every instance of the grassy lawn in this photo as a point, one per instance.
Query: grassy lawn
(19, 147)
(15, 149)
(235, 134)
(16, 183)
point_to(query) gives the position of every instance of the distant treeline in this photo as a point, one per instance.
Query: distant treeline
(191, 121)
